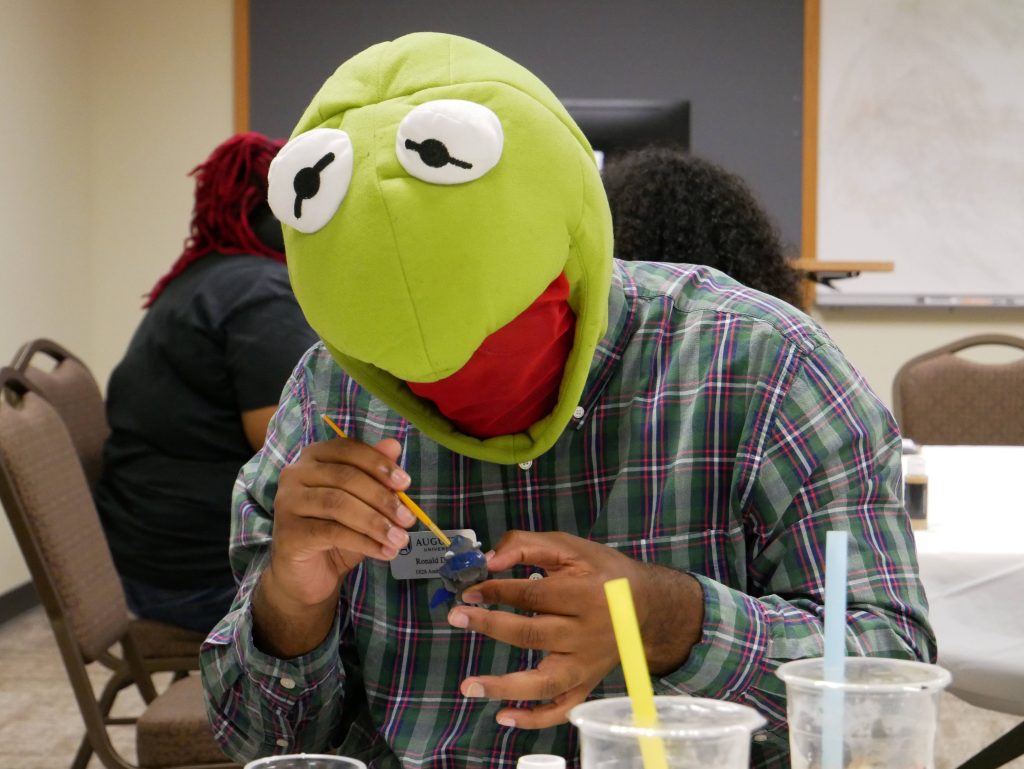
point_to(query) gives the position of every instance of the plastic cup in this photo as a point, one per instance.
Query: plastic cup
(890, 709)
(305, 761)
(695, 733)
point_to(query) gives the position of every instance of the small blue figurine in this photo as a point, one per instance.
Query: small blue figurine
(464, 566)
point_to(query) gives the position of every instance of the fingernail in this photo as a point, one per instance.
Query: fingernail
(399, 476)
(473, 597)
(474, 690)
(489, 555)
(458, 619)
(404, 516)
(398, 536)
(506, 721)
(388, 552)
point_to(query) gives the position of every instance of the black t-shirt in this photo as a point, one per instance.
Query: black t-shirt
(221, 339)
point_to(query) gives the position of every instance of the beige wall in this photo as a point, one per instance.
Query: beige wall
(44, 192)
(161, 96)
(878, 342)
(107, 104)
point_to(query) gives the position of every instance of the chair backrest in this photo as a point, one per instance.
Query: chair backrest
(46, 497)
(66, 382)
(941, 398)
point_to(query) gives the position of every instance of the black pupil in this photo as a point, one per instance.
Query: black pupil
(433, 153)
(307, 183)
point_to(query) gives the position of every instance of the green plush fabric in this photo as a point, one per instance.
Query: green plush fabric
(408, 278)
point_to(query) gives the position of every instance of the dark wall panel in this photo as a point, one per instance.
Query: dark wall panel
(738, 62)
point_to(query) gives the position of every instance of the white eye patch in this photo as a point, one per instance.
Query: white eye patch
(309, 178)
(449, 141)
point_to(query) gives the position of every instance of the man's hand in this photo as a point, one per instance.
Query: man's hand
(334, 507)
(571, 621)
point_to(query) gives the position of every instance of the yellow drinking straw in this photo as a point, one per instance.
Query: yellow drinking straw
(634, 668)
(416, 509)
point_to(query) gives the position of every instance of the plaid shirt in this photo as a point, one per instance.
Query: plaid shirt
(722, 433)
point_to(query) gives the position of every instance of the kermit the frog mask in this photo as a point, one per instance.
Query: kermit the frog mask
(449, 239)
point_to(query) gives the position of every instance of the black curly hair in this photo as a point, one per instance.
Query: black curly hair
(669, 206)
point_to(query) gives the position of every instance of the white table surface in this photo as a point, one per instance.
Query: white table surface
(972, 566)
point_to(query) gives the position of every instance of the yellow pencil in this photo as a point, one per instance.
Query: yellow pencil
(416, 509)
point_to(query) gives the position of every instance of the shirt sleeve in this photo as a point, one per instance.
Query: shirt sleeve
(827, 458)
(259, 705)
(264, 337)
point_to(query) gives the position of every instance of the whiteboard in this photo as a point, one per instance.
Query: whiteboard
(921, 150)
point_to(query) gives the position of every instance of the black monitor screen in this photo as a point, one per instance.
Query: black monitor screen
(617, 125)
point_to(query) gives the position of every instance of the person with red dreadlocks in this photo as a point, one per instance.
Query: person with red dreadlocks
(190, 401)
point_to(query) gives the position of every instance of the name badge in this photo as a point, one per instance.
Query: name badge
(423, 556)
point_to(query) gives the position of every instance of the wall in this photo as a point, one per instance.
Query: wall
(878, 341)
(161, 98)
(107, 105)
(44, 149)
(739, 62)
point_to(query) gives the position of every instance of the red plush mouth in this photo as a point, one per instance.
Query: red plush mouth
(512, 380)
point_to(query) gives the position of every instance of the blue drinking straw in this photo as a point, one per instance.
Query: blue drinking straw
(835, 649)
